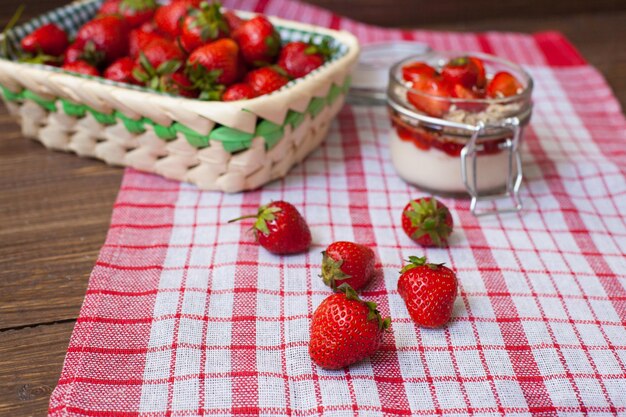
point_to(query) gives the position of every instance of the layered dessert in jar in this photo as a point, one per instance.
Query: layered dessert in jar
(449, 106)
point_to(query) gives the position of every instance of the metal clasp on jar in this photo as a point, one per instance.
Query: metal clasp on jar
(469, 155)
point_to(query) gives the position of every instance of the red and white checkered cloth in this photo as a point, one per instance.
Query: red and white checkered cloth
(186, 316)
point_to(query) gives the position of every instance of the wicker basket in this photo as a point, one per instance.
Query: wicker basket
(228, 146)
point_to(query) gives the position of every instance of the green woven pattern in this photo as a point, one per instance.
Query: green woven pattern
(233, 140)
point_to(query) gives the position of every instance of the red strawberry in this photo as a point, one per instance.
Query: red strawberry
(169, 18)
(239, 91)
(265, 80)
(212, 66)
(280, 228)
(503, 84)
(122, 71)
(234, 21)
(139, 39)
(134, 12)
(109, 7)
(202, 26)
(345, 330)
(149, 27)
(427, 221)
(159, 59)
(105, 39)
(461, 70)
(458, 91)
(428, 290)
(481, 79)
(415, 71)
(300, 58)
(137, 12)
(347, 263)
(430, 96)
(259, 41)
(73, 53)
(159, 51)
(81, 67)
(48, 40)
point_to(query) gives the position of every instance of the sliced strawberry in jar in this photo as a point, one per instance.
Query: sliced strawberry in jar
(417, 70)
(503, 84)
(458, 91)
(481, 78)
(433, 101)
(461, 70)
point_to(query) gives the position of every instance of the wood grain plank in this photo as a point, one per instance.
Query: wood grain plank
(30, 364)
(55, 211)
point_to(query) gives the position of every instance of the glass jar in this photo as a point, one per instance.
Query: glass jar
(471, 147)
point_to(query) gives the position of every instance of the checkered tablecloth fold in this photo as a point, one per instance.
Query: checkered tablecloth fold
(186, 316)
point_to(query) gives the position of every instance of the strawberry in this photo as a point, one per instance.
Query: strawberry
(427, 221)
(345, 330)
(134, 12)
(430, 97)
(212, 66)
(239, 91)
(458, 91)
(48, 40)
(160, 51)
(300, 58)
(265, 80)
(428, 290)
(202, 26)
(234, 21)
(347, 263)
(157, 61)
(280, 228)
(169, 18)
(73, 53)
(481, 77)
(415, 71)
(81, 67)
(461, 70)
(139, 39)
(503, 84)
(103, 40)
(259, 41)
(122, 71)
(109, 7)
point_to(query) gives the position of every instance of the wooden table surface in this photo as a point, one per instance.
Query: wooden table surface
(55, 208)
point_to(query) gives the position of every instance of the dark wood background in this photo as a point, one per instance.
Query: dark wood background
(55, 208)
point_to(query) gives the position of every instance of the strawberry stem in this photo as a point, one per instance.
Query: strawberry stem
(265, 214)
(248, 216)
(415, 261)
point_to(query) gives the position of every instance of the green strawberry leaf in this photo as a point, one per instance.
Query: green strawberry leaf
(169, 67)
(429, 218)
(331, 271)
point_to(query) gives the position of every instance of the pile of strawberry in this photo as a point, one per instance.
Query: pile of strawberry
(187, 47)
(462, 78)
(346, 329)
